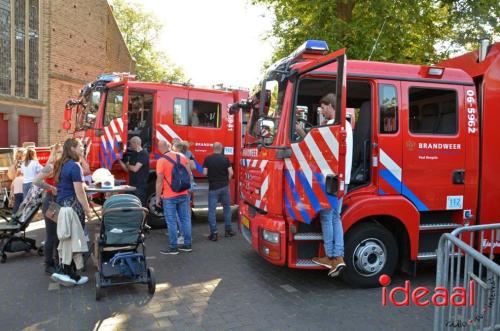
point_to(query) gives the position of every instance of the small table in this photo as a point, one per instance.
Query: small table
(114, 189)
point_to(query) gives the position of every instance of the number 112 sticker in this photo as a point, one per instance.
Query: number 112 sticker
(454, 202)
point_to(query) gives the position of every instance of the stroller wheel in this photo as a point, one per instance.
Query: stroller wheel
(151, 281)
(4, 258)
(40, 251)
(98, 288)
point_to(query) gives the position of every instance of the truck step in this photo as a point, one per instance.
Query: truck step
(438, 226)
(308, 236)
(306, 263)
(427, 256)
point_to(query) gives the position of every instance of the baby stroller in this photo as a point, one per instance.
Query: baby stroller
(11, 242)
(122, 233)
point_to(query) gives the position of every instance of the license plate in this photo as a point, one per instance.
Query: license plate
(245, 221)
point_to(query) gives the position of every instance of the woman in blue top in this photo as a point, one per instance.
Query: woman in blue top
(71, 193)
(70, 183)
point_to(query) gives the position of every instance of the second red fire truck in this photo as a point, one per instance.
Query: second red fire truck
(425, 158)
(116, 107)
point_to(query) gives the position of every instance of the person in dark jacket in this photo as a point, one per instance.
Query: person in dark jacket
(219, 172)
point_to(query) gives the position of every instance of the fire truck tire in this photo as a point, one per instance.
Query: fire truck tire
(155, 218)
(370, 251)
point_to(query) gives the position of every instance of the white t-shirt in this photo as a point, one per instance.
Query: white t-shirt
(349, 146)
(30, 171)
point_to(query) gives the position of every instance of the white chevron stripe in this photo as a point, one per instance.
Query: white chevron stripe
(263, 165)
(120, 123)
(302, 162)
(291, 169)
(257, 203)
(116, 133)
(104, 143)
(109, 136)
(169, 130)
(264, 187)
(318, 156)
(390, 164)
(331, 141)
(160, 137)
(254, 163)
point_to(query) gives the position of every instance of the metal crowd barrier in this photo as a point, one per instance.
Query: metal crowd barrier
(460, 264)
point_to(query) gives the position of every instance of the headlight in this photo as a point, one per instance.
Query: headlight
(272, 237)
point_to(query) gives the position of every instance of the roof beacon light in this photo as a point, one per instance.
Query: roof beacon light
(311, 47)
(434, 71)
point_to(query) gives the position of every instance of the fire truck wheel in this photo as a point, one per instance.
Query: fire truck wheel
(370, 251)
(155, 217)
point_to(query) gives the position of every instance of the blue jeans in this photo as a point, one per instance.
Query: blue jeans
(18, 199)
(222, 195)
(333, 234)
(26, 188)
(171, 208)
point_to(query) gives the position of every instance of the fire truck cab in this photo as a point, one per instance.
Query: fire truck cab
(116, 107)
(417, 158)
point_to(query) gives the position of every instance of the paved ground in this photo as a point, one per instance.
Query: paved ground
(219, 286)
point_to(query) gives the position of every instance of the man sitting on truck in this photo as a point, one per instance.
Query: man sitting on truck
(331, 225)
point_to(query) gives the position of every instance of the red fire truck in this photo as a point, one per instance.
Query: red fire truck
(424, 158)
(116, 107)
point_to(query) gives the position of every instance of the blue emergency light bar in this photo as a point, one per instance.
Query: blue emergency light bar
(311, 47)
(109, 77)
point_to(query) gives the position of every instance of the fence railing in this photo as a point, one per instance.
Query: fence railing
(465, 272)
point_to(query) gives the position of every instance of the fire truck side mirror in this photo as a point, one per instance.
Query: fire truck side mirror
(332, 184)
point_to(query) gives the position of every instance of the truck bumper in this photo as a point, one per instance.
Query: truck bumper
(265, 233)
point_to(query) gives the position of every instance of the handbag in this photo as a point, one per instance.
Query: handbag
(52, 212)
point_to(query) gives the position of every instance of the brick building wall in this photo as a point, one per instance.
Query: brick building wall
(79, 39)
(84, 42)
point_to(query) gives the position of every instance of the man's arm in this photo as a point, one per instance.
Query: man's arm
(230, 172)
(205, 171)
(134, 168)
(123, 165)
(159, 185)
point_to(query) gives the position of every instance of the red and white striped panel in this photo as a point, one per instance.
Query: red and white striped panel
(165, 133)
(259, 166)
(315, 156)
(113, 135)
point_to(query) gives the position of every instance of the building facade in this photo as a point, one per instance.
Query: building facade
(48, 50)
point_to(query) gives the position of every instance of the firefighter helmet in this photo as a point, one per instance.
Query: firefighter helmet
(101, 175)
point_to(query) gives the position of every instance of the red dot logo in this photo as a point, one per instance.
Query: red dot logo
(384, 280)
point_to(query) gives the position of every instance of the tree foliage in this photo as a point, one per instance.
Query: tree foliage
(140, 30)
(422, 31)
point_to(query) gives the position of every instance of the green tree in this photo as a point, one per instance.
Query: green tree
(140, 30)
(422, 31)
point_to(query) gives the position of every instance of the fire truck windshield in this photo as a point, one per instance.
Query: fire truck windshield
(265, 118)
(87, 109)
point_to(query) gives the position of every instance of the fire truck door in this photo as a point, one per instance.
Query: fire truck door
(387, 128)
(314, 174)
(434, 146)
(208, 120)
(113, 135)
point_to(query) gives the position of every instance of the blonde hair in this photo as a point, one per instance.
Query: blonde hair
(30, 155)
(53, 153)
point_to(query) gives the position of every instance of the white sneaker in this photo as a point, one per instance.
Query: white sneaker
(180, 240)
(64, 280)
(83, 280)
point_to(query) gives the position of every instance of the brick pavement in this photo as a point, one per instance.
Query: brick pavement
(219, 286)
